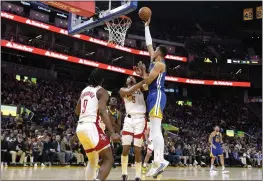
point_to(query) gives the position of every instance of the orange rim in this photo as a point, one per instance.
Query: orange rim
(123, 17)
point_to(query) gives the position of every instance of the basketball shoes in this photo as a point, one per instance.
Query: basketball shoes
(157, 169)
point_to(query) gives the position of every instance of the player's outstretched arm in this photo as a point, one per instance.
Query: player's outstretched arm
(128, 91)
(103, 97)
(77, 110)
(148, 39)
(157, 69)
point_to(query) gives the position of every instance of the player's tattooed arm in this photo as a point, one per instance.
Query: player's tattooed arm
(77, 110)
(210, 139)
(128, 91)
(221, 138)
(103, 97)
(157, 69)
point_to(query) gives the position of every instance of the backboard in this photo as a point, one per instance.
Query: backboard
(78, 24)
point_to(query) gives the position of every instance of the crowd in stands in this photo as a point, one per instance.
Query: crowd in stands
(44, 138)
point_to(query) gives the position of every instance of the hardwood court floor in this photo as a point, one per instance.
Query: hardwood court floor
(79, 173)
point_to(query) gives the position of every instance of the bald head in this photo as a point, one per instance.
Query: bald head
(217, 128)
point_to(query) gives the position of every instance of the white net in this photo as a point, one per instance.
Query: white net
(117, 29)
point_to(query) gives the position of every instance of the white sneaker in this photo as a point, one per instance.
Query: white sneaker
(213, 170)
(195, 163)
(160, 169)
(42, 165)
(35, 164)
(225, 171)
(149, 173)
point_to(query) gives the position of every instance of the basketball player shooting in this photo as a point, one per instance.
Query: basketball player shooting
(156, 99)
(215, 141)
(134, 125)
(93, 100)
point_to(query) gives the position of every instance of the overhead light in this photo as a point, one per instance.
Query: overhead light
(252, 37)
(116, 59)
(239, 71)
(91, 53)
(39, 36)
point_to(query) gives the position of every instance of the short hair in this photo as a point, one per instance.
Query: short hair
(163, 49)
(96, 77)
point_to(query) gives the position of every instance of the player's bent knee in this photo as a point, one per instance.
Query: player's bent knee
(125, 150)
(149, 152)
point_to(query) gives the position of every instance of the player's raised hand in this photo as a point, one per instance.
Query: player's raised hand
(137, 70)
(147, 23)
(142, 67)
(115, 137)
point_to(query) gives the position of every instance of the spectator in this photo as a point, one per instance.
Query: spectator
(65, 147)
(17, 148)
(76, 148)
(4, 148)
(57, 150)
(179, 152)
(28, 151)
(37, 149)
(48, 151)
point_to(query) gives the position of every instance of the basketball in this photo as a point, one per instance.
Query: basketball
(145, 13)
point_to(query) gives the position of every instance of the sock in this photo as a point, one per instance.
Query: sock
(124, 164)
(138, 169)
(223, 167)
(92, 165)
(144, 165)
(158, 141)
(212, 167)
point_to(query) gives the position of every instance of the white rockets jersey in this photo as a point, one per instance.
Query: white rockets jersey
(135, 104)
(89, 105)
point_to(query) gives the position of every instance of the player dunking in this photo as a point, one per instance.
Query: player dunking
(91, 106)
(156, 99)
(215, 141)
(134, 125)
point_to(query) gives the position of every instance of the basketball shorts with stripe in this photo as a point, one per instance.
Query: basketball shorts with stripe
(156, 102)
(150, 146)
(133, 130)
(92, 137)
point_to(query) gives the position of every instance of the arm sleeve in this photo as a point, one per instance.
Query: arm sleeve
(148, 37)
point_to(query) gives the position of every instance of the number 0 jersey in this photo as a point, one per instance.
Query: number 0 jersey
(89, 105)
(135, 104)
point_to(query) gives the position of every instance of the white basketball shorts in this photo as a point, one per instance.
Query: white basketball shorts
(133, 130)
(92, 137)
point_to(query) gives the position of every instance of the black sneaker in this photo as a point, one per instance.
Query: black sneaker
(124, 177)
(137, 179)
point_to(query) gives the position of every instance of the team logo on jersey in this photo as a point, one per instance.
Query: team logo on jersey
(103, 137)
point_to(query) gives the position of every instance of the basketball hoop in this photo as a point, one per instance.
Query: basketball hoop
(117, 29)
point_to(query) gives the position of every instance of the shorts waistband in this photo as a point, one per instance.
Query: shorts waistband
(139, 115)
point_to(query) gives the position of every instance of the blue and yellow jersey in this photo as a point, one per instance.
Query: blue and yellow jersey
(158, 83)
(217, 139)
(156, 99)
(114, 113)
